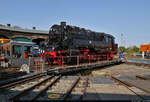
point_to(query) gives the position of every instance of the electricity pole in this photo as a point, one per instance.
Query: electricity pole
(121, 40)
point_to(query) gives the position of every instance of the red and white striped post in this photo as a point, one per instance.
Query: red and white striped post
(39, 64)
(62, 62)
(78, 61)
(43, 63)
(107, 57)
(98, 58)
(89, 59)
(35, 65)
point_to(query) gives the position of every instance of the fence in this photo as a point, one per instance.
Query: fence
(36, 64)
(40, 63)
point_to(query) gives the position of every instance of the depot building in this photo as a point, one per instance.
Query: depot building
(8, 32)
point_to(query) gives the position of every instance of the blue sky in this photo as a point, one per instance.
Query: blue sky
(128, 17)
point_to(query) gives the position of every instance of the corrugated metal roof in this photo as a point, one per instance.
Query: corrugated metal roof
(24, 30)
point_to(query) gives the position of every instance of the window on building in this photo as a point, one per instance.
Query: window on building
(17, 51)
(27, 51)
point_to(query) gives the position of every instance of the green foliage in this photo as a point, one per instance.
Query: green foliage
(122, 49)
(133, 49)
(129, 50)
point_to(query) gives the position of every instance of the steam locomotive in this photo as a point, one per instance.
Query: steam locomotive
(67, 40)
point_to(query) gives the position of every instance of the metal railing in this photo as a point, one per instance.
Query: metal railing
(39, 64)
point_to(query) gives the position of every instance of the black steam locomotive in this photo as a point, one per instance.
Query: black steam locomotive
(67, 40)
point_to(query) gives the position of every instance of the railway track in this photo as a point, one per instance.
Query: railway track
(9, 89)
(64, 88)
(140, 86)
(138, 64)
(142, 77)
(41, 87)
(15, 81)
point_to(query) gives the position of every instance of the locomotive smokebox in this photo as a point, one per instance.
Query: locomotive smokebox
(63, 23)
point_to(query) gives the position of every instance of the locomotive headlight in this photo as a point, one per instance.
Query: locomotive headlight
(90, 42)
(53, 48)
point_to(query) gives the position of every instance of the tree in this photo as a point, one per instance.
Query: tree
(133, 49)
(129, 50)
(122, 49)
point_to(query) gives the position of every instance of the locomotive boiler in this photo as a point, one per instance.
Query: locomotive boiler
(67, 40)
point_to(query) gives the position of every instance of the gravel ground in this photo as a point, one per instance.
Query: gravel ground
(111, 92)
(123, 69)
(60, 88)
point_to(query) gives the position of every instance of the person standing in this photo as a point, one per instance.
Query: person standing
(120, 55)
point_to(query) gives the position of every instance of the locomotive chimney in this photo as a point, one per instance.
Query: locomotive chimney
(63, 23)
(34, 28)
(8, 25)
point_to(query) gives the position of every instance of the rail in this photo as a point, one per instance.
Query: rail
(14, 82)
(70, 90)
(30, 88)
